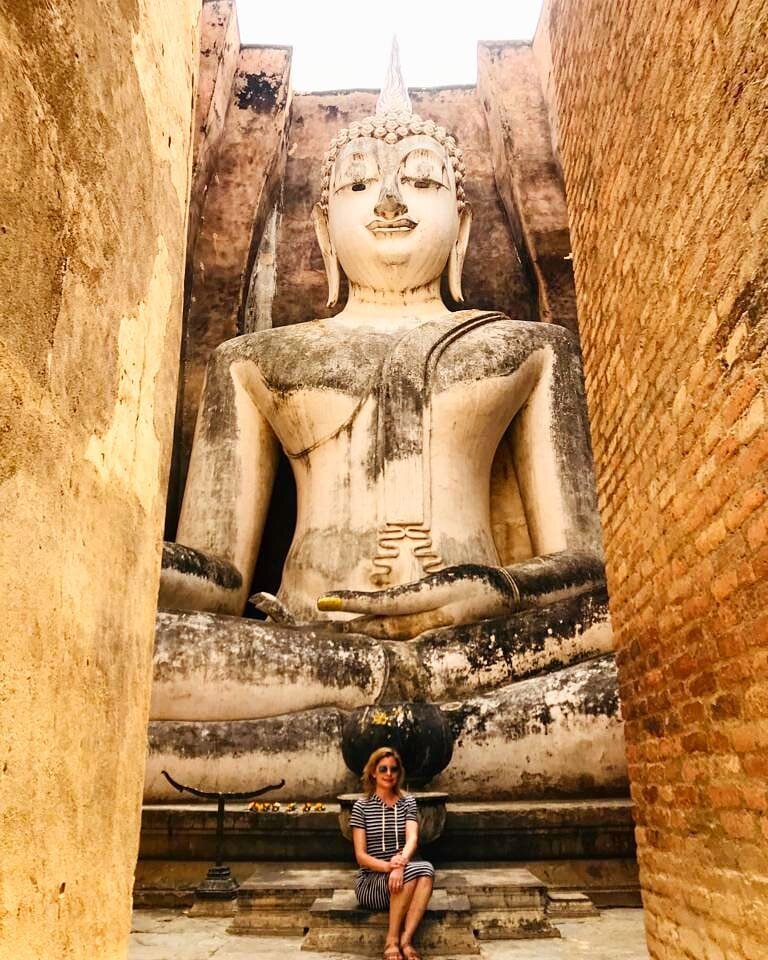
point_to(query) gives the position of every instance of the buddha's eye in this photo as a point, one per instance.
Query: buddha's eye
(421, 183)
(359, 185)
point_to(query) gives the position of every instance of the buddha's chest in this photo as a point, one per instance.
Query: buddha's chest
(446, 378)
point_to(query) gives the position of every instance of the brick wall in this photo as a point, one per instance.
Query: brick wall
(662, 114)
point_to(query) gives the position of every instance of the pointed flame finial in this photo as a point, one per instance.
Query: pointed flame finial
(394, 94)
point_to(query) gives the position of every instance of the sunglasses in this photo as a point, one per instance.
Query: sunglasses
(383, 768)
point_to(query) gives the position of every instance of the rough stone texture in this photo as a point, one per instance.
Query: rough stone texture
(238, 151)
(94, 174)
(527, 174)
(556, 735)
(219, 56)
(171, 883)
(662, 114)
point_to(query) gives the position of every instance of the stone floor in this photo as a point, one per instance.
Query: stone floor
(170, 935)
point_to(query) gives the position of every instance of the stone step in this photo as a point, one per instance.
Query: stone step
(569, 904)
(275, 900)
(508, 903)
(505, 902)
(338, 924)
(172, 883)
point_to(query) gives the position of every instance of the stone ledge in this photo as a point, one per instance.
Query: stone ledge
(339, 925)
(514, 830)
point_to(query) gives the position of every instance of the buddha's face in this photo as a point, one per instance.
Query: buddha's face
(392, 213)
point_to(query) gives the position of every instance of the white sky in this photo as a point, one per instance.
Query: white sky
(340, 44)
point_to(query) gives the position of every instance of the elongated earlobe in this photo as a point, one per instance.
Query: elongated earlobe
(456, 259)
(331, 261)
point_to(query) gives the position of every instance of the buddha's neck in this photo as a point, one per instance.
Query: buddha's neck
(367, 303)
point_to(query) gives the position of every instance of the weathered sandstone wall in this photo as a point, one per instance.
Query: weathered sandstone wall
(662, 120)
(94, 176)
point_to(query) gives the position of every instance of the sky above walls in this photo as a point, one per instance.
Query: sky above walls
(345, 43)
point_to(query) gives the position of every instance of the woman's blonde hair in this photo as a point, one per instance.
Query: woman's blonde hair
(368, 779)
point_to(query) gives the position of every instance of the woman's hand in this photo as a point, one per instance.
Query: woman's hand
(396, 880)
(459, 594)
(399, 860)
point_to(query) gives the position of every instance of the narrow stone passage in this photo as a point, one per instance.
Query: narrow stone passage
(170, 935)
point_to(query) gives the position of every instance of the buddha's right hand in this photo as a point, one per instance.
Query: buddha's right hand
(459, 594)
(465, 593)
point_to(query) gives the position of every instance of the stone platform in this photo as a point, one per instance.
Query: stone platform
(339, 925)
(504, 902)
(584, 846)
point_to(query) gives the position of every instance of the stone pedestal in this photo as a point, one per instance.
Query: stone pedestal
(215, 896)
(339, 925)
(569, 905)
(504, 902)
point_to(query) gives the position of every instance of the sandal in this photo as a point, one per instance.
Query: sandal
(392, 952)
(409, 951)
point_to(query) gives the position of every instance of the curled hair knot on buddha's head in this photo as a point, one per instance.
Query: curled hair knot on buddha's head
(394, 120)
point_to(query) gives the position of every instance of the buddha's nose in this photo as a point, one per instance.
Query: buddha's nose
(390, 204)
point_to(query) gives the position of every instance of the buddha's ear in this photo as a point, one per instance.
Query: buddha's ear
(331, 261)
(456, 259)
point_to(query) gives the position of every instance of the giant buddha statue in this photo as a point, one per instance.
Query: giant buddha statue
(447, 546)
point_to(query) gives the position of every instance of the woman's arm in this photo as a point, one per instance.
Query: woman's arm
(409, 847)
(365, 859)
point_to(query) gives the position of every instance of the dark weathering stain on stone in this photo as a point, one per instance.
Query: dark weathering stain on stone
(585, 689)
(270, 736)
(186, 560)
(259, 92)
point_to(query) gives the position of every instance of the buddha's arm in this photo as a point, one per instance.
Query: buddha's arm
(554, 470)
(229, 484)
(553, 463)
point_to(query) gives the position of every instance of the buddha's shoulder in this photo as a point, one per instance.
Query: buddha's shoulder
(312, 337)
(275, 338)
(534, 333)
(306, 355)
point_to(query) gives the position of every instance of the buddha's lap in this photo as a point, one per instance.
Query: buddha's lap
(554, 734)
(233, 668)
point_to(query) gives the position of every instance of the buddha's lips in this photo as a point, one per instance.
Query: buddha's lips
(404, 225)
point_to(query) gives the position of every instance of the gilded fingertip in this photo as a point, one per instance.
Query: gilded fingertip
(329, 603)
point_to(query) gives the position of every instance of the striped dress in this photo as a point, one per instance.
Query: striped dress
(384, 837)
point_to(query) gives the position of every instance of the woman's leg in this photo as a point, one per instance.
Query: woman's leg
(398, 908)
(418, 905)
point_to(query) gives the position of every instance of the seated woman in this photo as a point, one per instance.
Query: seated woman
(385, 831)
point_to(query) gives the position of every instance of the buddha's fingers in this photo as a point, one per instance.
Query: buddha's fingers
(399, 628)
(417, 597)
